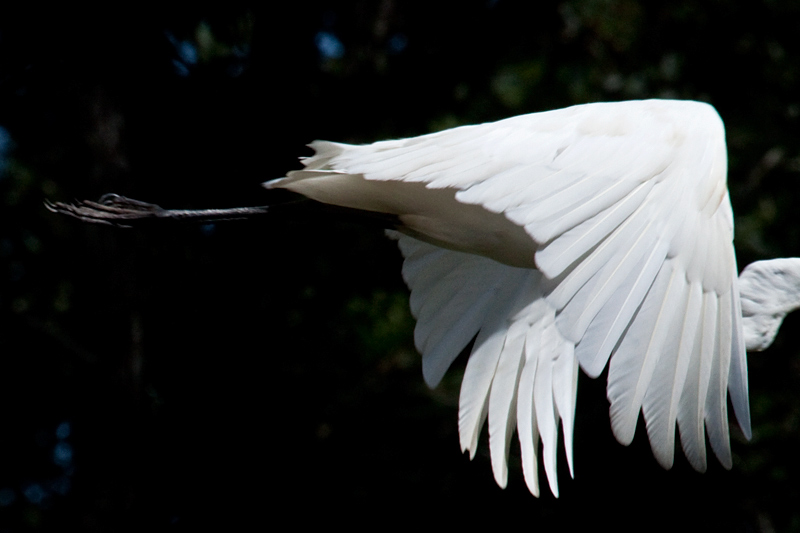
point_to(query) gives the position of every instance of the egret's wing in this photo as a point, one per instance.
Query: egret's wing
(457, 296)
(623, 208)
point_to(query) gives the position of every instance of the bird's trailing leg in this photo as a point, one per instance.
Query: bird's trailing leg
(124, 212)
(121, 211)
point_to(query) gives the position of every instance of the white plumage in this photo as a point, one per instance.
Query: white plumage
(571, 236)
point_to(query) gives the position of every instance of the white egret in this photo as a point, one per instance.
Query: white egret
(572, 236)
(592, 235)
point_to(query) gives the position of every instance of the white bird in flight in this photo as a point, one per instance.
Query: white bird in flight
(599, 234)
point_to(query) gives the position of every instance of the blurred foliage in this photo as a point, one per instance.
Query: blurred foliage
(251, 373)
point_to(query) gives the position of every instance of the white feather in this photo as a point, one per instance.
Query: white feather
(660, 406)
(503, 400)
(527, 425)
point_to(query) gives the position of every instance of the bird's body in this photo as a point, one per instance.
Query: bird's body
(563, 238)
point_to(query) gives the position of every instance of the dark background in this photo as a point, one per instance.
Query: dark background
(263, 374)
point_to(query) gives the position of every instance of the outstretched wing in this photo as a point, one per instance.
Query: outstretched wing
(608, 232)
(521, 373)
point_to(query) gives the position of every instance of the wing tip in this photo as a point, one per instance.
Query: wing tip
(743, 418)
(500, 475)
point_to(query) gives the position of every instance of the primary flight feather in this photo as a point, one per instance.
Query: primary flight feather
(596, 235)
